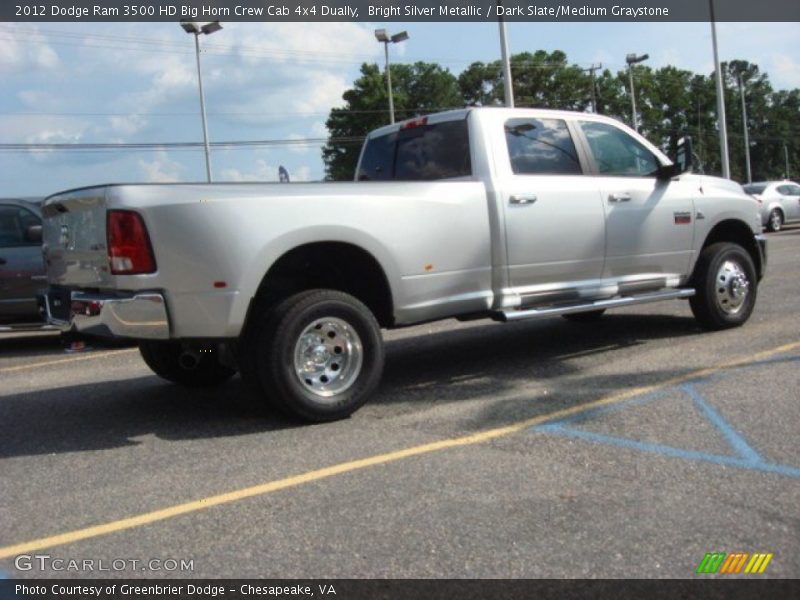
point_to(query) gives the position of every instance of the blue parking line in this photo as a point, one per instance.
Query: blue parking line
(729, 461)
(748, 458)
(735, 440)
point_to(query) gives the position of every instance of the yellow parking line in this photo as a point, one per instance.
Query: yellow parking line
(47, 363)
(355, 465)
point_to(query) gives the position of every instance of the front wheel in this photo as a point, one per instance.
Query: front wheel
(317, 355)
(726, 286)
(173, 362)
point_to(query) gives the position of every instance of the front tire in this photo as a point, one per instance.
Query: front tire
(726, 286)
(169, 360)
(317, 355)
(775, 221)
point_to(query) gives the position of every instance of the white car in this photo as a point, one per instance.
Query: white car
(778, 201)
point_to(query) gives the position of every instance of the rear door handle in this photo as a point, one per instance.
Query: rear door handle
(623, 197)
(522, 199)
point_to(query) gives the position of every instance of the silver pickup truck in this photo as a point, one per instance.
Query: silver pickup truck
(487, 212)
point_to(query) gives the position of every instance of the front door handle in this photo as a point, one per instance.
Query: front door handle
(522, 199)
(623, 197)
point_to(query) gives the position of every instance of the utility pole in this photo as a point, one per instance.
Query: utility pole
(723, 127)
(507, 82)
(746, 137)
(632, 59)
(591, 70)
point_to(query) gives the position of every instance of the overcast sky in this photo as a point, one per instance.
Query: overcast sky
(111, 83)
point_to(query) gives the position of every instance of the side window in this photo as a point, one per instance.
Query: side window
(14, 224)
(616, 153)
(541, 147)
(784, 190)
(794, 190)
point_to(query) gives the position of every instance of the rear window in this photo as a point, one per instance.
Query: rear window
(423, 153)
(755, 188)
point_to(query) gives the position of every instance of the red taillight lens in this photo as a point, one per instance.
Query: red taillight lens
(129, 250)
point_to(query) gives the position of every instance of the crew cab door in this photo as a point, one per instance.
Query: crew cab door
(649, 221)
(554, 221)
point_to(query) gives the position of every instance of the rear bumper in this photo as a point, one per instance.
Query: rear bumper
(138, 316)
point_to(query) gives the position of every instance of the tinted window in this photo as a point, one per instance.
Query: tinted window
(755, 188)
(618, 154)
(14, 223)
(378, 159)
(794, 190)
(541, 147)
(423, 153)
(784, 190)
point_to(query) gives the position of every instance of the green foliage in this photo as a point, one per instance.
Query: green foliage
(420, 88)
(670, 102)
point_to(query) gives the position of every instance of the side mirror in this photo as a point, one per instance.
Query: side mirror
(684, 159)
(34, 234)
(681, 162)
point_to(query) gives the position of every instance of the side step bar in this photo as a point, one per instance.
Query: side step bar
(550, 311)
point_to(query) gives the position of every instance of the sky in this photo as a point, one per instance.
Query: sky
(137, 82)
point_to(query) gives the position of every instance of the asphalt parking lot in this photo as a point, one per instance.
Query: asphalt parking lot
(625, 448)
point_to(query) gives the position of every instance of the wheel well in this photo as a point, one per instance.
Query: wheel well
(737, 232)
(332, 265)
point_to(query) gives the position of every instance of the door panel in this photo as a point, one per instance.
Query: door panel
(559, 238)
(650, 226)
(554, 220)
(21, 266)
(649, 222)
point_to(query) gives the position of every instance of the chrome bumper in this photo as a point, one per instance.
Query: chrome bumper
(139, 316)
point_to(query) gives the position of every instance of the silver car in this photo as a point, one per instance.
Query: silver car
(778, 201)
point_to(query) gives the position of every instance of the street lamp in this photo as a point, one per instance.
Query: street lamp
(632, 59)
(385, 39)
(207, 29)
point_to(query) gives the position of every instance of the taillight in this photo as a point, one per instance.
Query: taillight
(129, 250)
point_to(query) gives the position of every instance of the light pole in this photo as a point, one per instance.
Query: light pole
(632, 59)
(385, 39)
(723, 127)
(507, 81)
(207, 29)
(746, 136)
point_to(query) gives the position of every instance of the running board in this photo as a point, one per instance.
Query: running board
(538, 313)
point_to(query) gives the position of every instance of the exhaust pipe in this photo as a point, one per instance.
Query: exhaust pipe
(189, 360)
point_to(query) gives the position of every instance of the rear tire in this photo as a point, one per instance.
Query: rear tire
(775, 220)
(726, 286)
(585, 317)
(164, 359)
(317, 355)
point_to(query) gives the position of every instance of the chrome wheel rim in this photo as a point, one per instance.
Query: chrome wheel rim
(328, 357)
(732, 287)
(776, 220)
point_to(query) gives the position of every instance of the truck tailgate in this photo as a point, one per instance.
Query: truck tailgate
(74, 236)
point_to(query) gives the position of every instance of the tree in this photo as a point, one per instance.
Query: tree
(420, 88)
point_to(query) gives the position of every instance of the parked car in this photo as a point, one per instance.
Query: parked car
(22, 273)
(778, 201)
(487, 212)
